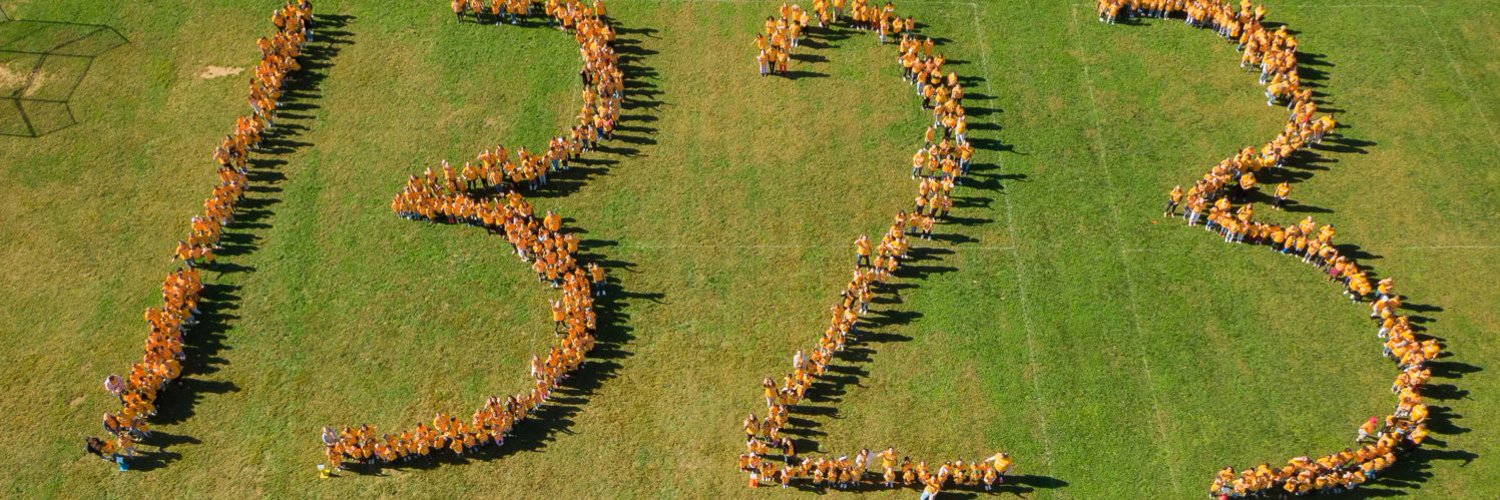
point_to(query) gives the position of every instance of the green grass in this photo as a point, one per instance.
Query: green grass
(1122, 355)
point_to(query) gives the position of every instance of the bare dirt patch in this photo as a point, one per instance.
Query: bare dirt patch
(212, 72)
(12, 79)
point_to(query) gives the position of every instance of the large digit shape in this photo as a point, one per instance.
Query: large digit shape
(940, 164)
(1218, 200)
(487, 194)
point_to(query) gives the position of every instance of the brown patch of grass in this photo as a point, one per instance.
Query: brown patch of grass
(15, 83)
(211, 72)
(10, 77)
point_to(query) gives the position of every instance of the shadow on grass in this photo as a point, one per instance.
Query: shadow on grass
(556, 416)
(633, 133)
(613, 333)
(55, 55)
(149, 460)
(205, 342)
(1412, 469)
(877, 328)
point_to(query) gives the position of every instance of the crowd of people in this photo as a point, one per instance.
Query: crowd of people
(784, 32)
(169, 324)
(563, 13)
(1221, 201)
(939, 165)
(861, 471)
(487, 193)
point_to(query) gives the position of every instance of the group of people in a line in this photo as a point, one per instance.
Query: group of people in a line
(939, 165)
(501, 170)
(784, 33)
(487, 193)
(1222, 200)
(846, 473)
(539, 240)
(565, 14)
(162, 362)
(1380, 441)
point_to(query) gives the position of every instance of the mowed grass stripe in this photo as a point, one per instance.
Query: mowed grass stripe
(1066, 221)
(335, 320)
(1041, 439)
(1343, 358)
(1163, 425)
(1160, 116)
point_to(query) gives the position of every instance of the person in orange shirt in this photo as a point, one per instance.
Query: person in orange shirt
(1386, 288)
(926, 222)
(1275, 89)
(558, 317)
(459, 6)
(1282, 191)
(862, 251)
(1368, 430)
(1247, 184)
(1173, 199)
(552, 222)
(596, 275)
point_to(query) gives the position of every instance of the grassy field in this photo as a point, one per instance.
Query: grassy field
(1115, 354)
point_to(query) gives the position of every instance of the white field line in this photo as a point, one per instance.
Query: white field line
(1452, 247)
(1395, 249)
(850, 247)
(1011, 248)
(773, 3)
(1463, 80)
(1011, 221)
(1161, 426)
(1010, 218)
(1346, 6)
(1484, 116)
(1009, 215)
